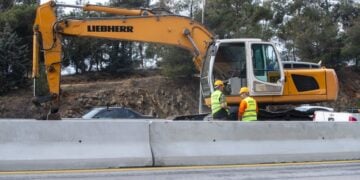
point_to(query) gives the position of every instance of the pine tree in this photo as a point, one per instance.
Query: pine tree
(310, 32)
(352, 46)
(239, 19)
(176, 62)
(13, 60)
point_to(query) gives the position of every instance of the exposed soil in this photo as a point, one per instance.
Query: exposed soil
(349, 94)
(146, 92)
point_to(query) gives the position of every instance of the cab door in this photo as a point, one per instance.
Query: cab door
(265, 75)
(206, 81)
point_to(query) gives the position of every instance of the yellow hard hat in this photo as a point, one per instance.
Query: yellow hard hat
(218, 83)
(244, 90)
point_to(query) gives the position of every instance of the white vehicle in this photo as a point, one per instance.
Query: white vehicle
(323, 116)
(312, 109)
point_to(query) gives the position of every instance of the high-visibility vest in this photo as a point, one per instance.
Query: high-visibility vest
(250, 111)
(215, 101)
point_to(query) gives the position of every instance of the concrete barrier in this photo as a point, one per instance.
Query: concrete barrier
(84, 144)
(73, 144)
(214, 143)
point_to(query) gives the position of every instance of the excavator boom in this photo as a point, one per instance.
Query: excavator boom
(141, 25)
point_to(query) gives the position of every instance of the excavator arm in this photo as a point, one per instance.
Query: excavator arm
(132, 25)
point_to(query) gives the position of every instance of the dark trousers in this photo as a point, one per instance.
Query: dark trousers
(222, 114)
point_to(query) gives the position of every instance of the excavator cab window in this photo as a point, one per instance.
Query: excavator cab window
(266, 75)
(230, 66)
(265, 63)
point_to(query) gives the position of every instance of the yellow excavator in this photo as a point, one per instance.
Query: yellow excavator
(239, 62)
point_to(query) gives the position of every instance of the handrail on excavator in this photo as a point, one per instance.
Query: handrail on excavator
(110, 10)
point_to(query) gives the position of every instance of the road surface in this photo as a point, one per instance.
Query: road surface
(344, 170)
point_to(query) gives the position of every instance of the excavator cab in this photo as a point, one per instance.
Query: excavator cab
(242, 62)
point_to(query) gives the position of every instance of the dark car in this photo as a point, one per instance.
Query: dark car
(114, 113)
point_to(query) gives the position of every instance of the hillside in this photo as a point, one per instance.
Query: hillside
(148, 93)
(349, 94)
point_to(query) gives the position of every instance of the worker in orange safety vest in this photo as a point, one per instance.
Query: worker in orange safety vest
(248, 108)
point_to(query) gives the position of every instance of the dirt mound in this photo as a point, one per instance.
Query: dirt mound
(148, 93)
(154, 95)
(349, 92)
(17, 104)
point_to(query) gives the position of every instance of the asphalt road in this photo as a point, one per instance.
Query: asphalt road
(299, 171)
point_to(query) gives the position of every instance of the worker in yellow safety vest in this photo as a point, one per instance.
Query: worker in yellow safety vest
(248, 107)
(219, 107)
